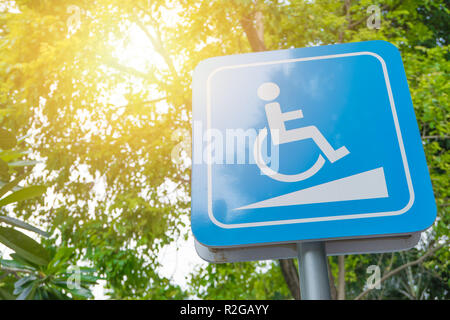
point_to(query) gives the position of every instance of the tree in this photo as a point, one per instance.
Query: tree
(32, 273)
(98, 119)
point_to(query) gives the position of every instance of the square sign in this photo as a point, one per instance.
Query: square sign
(306, 144)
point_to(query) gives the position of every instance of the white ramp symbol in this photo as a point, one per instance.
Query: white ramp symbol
(366, 185)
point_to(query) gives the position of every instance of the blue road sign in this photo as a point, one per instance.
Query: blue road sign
(304, 144)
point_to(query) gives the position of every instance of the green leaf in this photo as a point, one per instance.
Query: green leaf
(15, 188)
(54, 294)
(13, 184)
(58, 263)
(24, 246)
(20, 284)
(5, 295)
(4, 170)
(23, 163)
(23, 225)
(79, 292)
(23, 194)
(9, 155)
(13, 264)
(88, 279)
(17, 257)
(84, 279)
(7, 139)
(28, 292)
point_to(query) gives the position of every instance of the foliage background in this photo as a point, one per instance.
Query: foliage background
(105, 129)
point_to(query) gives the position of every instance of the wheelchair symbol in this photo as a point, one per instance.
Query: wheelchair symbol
(269, 91)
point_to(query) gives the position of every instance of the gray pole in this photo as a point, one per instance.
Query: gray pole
(313, 269)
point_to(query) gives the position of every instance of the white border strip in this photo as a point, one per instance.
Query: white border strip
(317, 219)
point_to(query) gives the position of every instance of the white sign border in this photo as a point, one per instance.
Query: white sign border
(316, 219)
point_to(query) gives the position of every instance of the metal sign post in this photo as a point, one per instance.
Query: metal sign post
(313, 270)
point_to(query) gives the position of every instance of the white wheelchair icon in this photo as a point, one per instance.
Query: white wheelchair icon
(269, 91)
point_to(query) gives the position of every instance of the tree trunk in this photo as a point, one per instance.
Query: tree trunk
(341, 278)
(254, 31)
(333, 291)
(290, 274)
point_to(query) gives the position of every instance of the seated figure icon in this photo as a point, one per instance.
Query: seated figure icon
(269, 91)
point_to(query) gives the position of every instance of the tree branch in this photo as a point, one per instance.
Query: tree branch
(401, 268)
(158, 45)
(111, 62)
(436, 137)
(347, 4)
(154, 101)
(254, 37)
